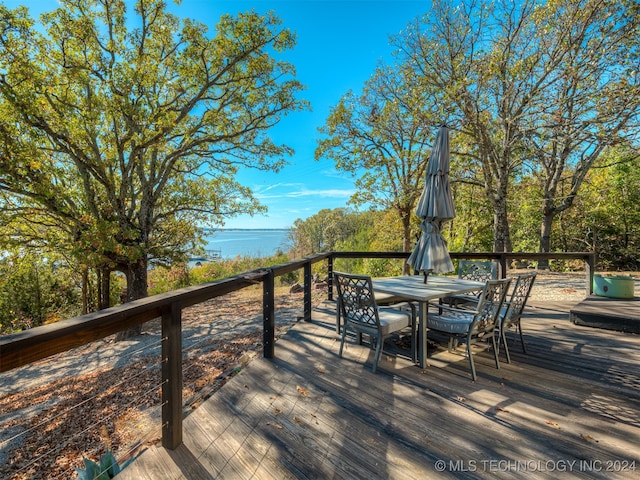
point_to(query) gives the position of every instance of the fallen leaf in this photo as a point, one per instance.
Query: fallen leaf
(302, 391)
(277, 411)
(297, 420)
(588, 438)
(461, 399)
(553, 424)
(500, 409)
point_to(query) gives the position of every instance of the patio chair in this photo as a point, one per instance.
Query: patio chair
(382, 300)
(512, 309)
(476, 271)
(361, 314)
(473, 325)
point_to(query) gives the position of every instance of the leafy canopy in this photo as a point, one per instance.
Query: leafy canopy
(124, 129)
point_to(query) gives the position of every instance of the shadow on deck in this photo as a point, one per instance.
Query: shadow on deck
(569, 407)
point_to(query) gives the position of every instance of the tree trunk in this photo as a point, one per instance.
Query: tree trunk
(136, 274)
(501, 234)
(545, 237)
(85, 290)
(104, 288)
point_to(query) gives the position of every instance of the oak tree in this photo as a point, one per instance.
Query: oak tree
(123, 128)
(383, 138)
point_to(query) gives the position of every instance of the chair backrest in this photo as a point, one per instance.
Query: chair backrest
(519, 297)
(478, 271)
(489, 305)
(356, 299)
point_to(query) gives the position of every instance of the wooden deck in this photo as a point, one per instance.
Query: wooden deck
(610, 313)
(570, 408)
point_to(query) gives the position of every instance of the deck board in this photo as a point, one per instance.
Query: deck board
(608, 313)
(573, 401)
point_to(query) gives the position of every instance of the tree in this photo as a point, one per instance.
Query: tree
(34, 290)
(344, 230)
(607, 216)
(515, 72)
(126, 139)
(592, 102)
(325, 231)
(382, 137)
(479, 56)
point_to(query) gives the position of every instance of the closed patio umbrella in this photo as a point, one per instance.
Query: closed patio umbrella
(434, 208)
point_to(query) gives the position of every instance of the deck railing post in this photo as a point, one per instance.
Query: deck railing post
(268, 315)
(330, 278)
(590, 262)
(172, 377)
(503, 265)
(307, 291)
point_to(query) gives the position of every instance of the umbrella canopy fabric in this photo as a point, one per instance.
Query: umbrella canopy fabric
(434, 207)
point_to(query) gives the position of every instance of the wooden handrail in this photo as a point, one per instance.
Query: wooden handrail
(24, 348)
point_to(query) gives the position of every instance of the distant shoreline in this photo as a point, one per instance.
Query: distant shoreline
(247, 242)
(207, 229)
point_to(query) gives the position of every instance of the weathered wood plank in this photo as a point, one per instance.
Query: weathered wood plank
(572, 400)
(609, 313)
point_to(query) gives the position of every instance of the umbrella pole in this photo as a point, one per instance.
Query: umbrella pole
(426, 274)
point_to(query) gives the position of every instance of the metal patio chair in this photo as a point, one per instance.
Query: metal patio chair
(476, 271)
(473, 325)
(362, 315)
(512, 309)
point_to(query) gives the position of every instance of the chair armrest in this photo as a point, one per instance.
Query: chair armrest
(447, 308)
(401, 306)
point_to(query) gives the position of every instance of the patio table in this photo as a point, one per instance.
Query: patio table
(413, 288)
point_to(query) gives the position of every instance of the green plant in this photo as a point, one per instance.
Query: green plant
(106, 469)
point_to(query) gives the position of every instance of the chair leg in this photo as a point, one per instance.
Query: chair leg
(414, 333)
(379, 341)
(524, 349)
(471, 364)
(414, 344)
(344, 334)
(495, 351)
(503, 336)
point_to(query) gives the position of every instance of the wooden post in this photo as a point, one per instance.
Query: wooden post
(503, 266)
(307, 291)
(268, 315)
(172, 377)
(590, 267)
(330, 278)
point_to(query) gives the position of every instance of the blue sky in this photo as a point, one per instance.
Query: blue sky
(339, 44)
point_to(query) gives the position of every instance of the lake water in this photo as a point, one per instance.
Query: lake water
(250, 242)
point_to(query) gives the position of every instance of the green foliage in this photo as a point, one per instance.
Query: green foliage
(540, 88)
(328, 230)
(34, 292)
(105, 469)
(607, 216)
(383, 138)
(165, 279)
(124, 127)
(345, 230)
